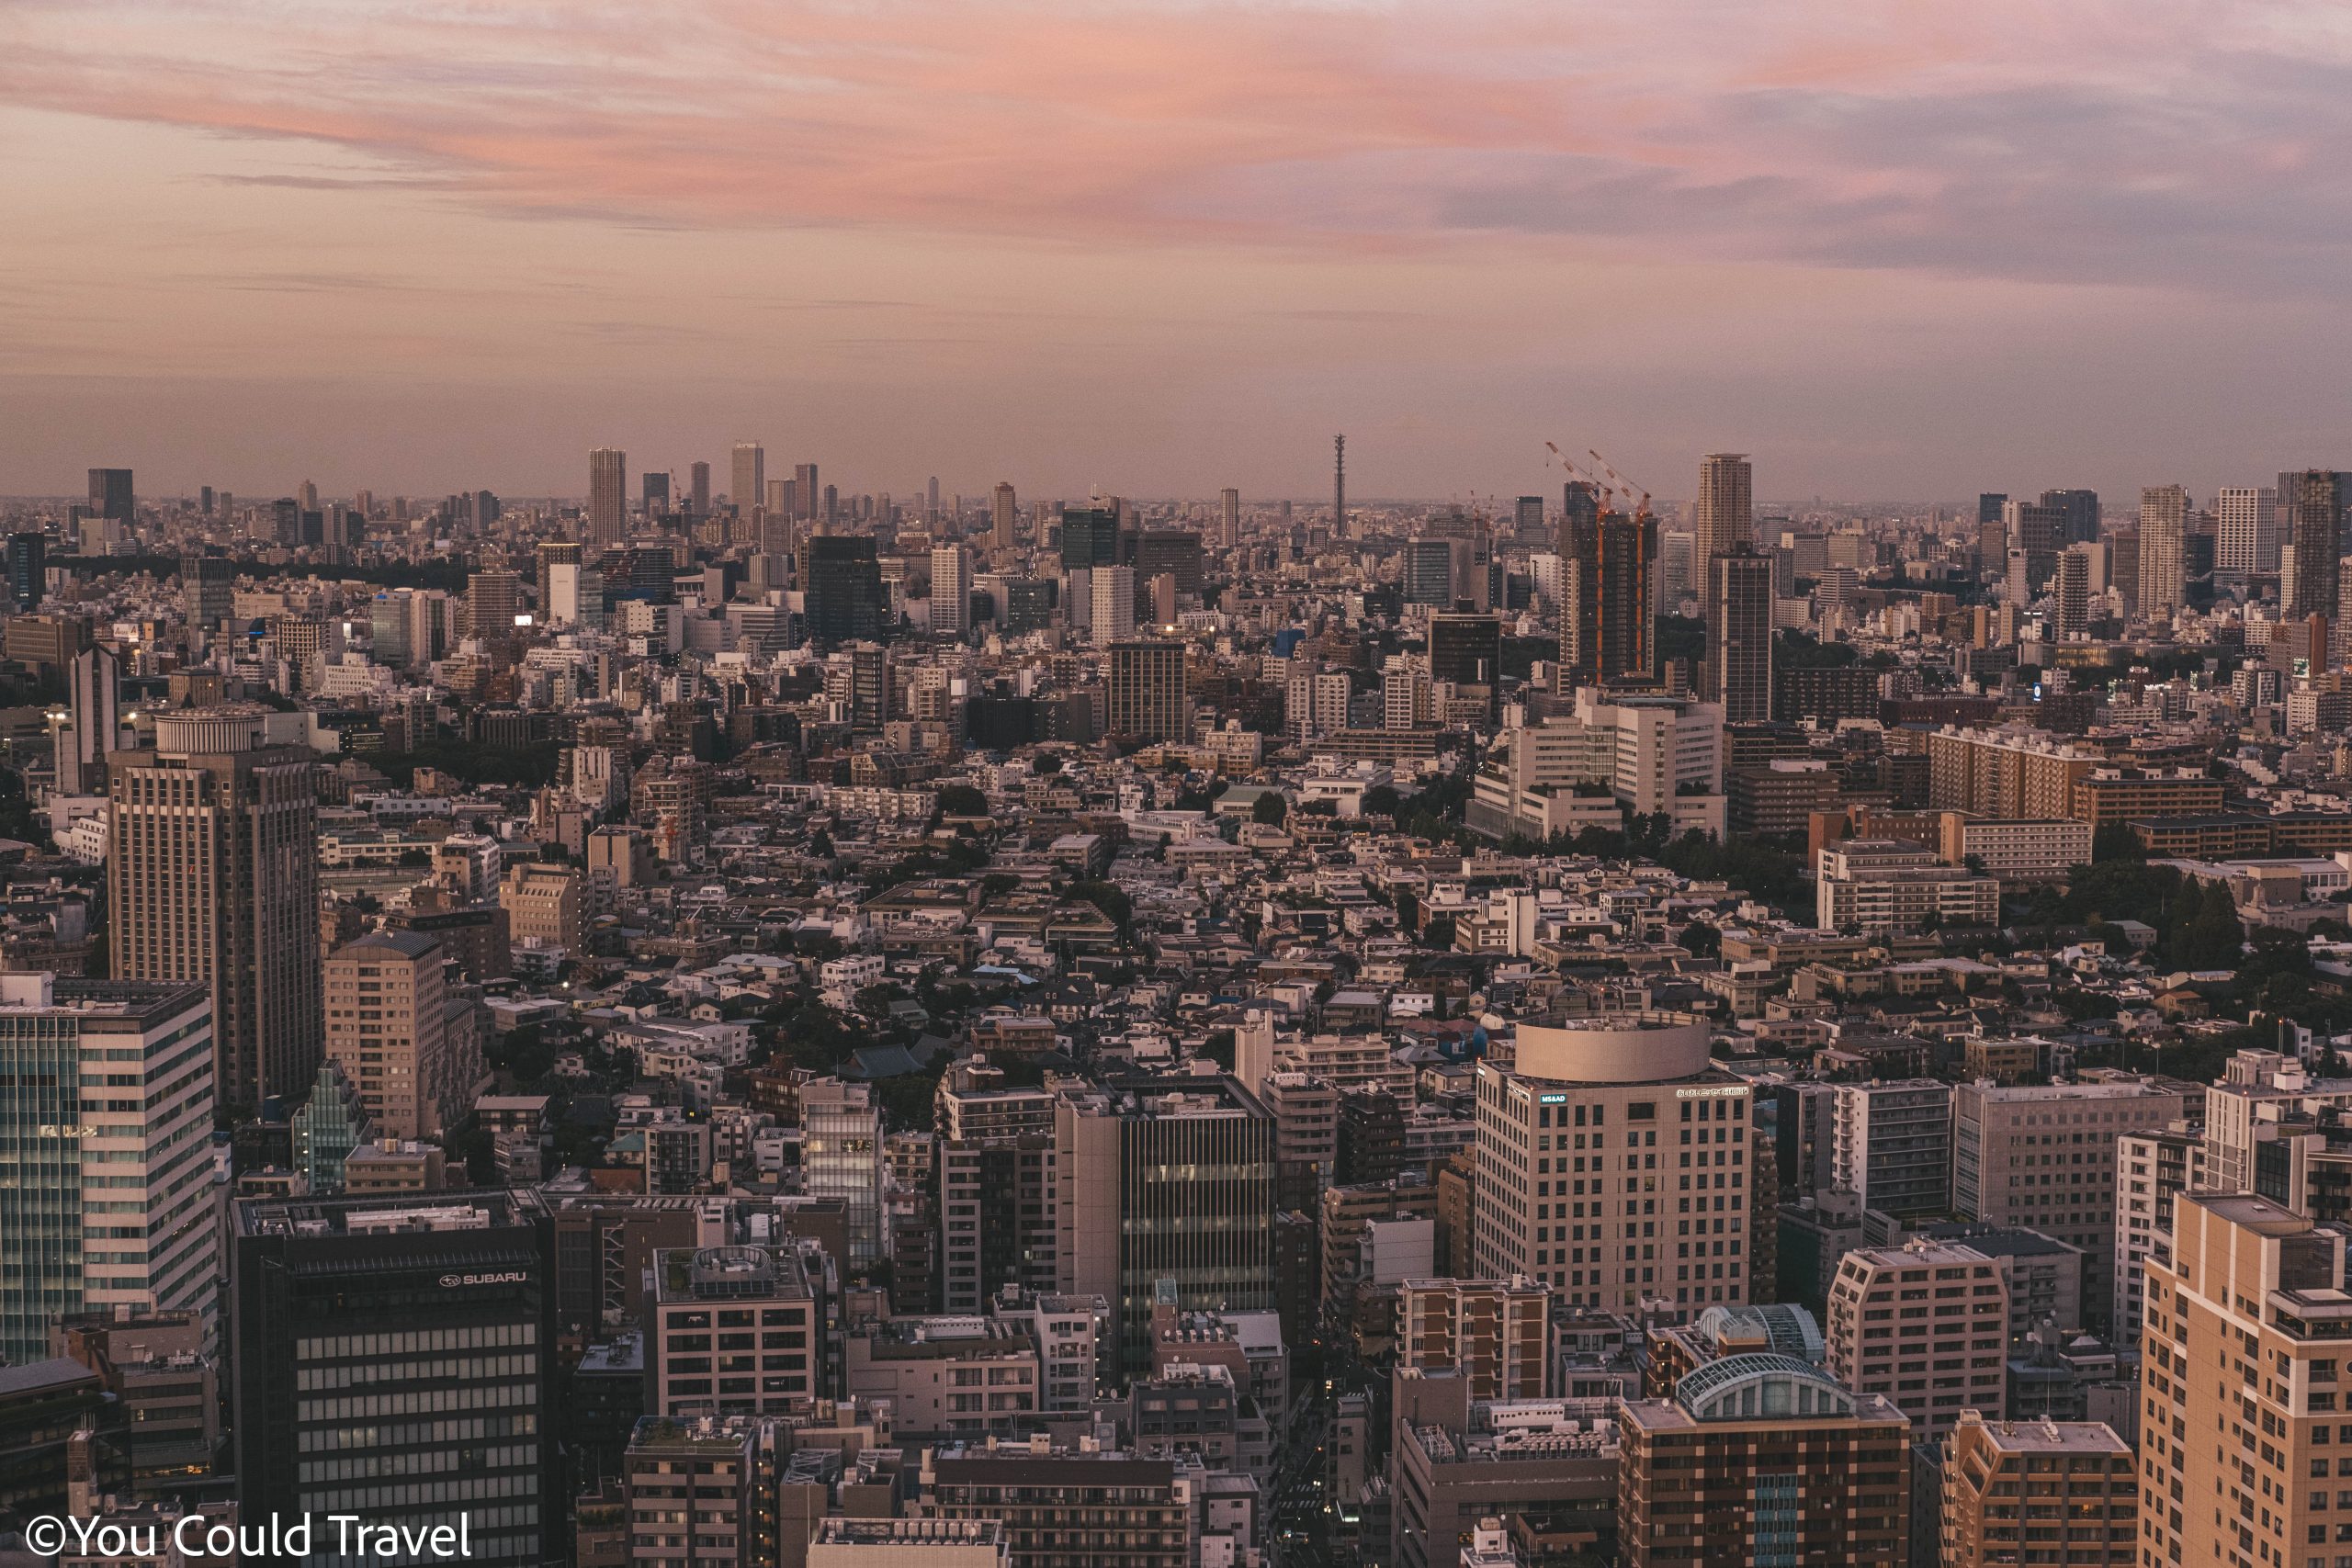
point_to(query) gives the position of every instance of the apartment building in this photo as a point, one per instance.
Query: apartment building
(1926, 1325)
(2063, 1494)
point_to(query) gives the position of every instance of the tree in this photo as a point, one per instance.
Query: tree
(1271, 808)
(961, 800)
(1700, 940)
(2116, 840)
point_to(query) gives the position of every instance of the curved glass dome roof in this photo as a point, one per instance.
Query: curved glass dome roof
(1789, 1330)
(1761, 1387)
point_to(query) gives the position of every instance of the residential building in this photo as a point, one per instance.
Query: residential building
(2047, 1492)
(1494, 1333)
(1890, 1146)
(1124, 1511)
(388, 1028)
(1739, 635)
(1926, 1325)
(1891, 886)
(2152, 1169)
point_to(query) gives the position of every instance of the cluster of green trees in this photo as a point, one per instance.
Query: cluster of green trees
(475, 761)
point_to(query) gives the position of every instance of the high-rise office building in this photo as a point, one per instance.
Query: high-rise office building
(842, 579)
(212, 876)
(1761, 1458)
(395, 1358)
(699, 489)
(1145, 692)
(607, 496)
(208, 589)
(1527, 518)
(2038, 531)
(110, 494)
(1724, 515)
(2078, 514)
(388, 1027)
(2312, 504)
(806, 491)
(1739, 636)
(1229, 512)
(493, 599)
(657, 493)
(94, 695)
(843, 1157)
(2163, 550)
(2247, 529)
(1428, 573)
(750, 478)
(27, 569)
(2043, 1158)
(1607, 633)
(1003, 511)
(950, 589)
(1989, 507)
(2241, 1373)
(1468, 651)
(1089, 535)
(1647, 1143)
(1164, 1186)
(106, 1206)
(1114, 609)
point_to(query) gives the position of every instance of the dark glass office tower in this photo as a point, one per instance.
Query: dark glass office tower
(392, 1356)
(843, 578)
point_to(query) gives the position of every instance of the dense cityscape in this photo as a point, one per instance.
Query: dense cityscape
(737, 1023)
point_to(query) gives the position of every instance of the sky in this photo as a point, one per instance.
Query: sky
(1894, 251)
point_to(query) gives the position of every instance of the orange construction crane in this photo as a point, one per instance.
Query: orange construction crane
(1601, 487)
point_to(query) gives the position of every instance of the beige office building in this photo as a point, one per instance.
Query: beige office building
(1612, 1165)
(2061, 1494)
(212, 876)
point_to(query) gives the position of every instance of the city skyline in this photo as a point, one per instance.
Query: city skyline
(1165, 248)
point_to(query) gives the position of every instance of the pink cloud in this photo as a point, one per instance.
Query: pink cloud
(1742, 129)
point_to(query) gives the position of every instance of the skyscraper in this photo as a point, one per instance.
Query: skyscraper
(1527, 517)
(27, 568)
(607, 496)
(1605, 630)
(657, 493)
(106, 1204)
(1114, 609)
(212, 876)
(1146, 692)
(2164, 550)
(94, 688)
(805, 491)
(1725, 515)
(394, 1359)
(110, 493)
(2038, 530)
(2078, 514)
(750, 477)
(842, 577)
(950, 589)
(698, 488)
(1739, 636)
(843, 1157)
(2247, 536)
(2071, 590)
(1228, 510)
(1002, 513)
(2313, 526)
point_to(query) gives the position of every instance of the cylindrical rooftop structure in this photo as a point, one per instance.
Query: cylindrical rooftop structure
(1619, 1047)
